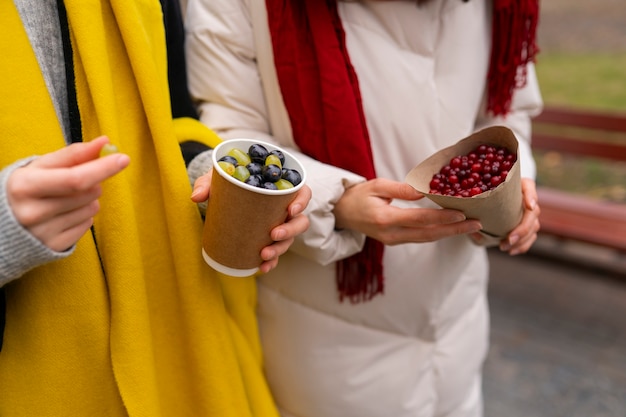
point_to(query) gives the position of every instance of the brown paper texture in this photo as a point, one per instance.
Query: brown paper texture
(239, 217)
(499, 210)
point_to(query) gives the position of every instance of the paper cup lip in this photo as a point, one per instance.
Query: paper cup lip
(232, 272)
(290, 162)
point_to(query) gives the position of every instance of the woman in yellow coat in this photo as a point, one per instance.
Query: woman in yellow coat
(108, 308)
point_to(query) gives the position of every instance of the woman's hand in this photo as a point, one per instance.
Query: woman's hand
(366, 208)
(283, 234)
(56, 195)
(524, 235)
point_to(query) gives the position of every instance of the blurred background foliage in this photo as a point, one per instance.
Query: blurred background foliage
(584, 81)
(582, 65)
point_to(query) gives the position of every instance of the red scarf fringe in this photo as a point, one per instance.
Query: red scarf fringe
(513, 32)
(360, 277)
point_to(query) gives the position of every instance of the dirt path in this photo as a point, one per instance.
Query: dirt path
(583, 26)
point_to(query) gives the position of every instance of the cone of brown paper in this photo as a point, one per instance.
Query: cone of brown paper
(500, 209)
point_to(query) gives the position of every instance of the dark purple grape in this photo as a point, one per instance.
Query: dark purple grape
(254, 168)
(271, 173)
(229, 159)
(258, 153)
(269, 186)
(254, 180)
(291, 175)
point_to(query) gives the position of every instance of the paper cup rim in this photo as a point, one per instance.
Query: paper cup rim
(230, 143)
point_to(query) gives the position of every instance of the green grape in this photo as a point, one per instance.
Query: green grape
(282, 184)
(241, 173)
(242, 157)
(227, 167)
(108, 149)
(273, 160)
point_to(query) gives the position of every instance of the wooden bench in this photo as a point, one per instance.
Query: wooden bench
(575, 217)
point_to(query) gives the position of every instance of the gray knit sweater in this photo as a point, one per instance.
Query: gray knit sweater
(19, 250)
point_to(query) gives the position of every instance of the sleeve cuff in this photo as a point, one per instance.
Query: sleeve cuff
(20, 251)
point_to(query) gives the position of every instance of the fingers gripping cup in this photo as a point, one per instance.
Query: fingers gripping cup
(240, 215)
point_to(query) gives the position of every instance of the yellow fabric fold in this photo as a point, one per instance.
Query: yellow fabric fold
(188, 128)
(133, 323)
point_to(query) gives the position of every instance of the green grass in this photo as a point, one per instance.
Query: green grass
(586, 82)
(591, 177)
(595, 82)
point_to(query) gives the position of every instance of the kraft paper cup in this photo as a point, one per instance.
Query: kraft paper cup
(499, 210)
(239, 217)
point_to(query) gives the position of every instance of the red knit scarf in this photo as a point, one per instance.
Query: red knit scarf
(321, 92)
(513, 46)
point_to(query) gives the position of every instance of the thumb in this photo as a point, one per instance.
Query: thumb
(398, 190)
(201, 187)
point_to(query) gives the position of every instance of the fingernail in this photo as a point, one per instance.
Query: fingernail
(457, 217)
(295, 209)
(279, 234)
(195, 192)
(506, 246)
(123, 160)
(533, 204)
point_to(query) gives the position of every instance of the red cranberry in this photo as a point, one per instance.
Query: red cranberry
(481, 170)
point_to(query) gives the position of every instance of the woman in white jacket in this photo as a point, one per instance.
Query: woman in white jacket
(413, 344)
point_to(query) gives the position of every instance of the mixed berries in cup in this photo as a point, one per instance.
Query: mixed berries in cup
(259, 167)
(481, 170)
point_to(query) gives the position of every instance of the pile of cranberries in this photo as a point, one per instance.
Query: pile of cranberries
(482, 169)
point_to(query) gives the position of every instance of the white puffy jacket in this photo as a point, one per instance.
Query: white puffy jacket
(418, 349)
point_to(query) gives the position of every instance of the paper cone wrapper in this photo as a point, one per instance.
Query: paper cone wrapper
(239, 217)
(499, 210)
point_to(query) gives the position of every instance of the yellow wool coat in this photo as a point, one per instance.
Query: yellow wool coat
(133, 323)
